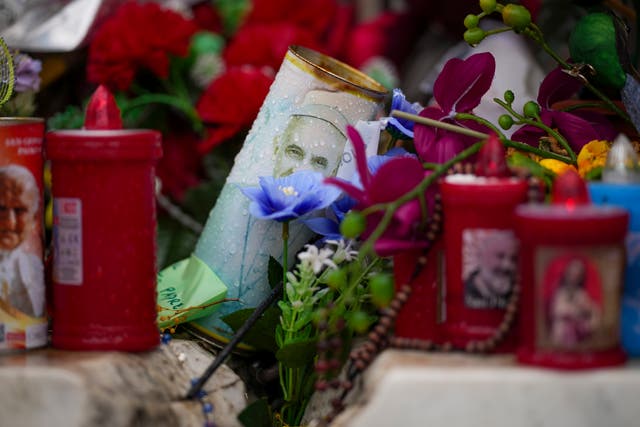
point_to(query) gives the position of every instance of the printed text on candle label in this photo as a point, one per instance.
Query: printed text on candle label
(67, 241)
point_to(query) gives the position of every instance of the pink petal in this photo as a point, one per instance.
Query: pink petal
(557, 86)
(576, 130)
(424, 136)
(348, 188)
(388, 247)
(462, 83)
(395, 178)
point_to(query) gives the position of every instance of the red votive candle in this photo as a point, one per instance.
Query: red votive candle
(572, 261)
(104, 273)
(481, 255)
(421, 316)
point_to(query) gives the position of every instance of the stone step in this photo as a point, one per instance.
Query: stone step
(53, 388)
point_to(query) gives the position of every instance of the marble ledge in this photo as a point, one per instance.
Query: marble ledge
(409, 388)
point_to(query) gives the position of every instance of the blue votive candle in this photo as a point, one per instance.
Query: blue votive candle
(620, 186)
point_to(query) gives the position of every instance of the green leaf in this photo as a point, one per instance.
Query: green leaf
(71, 118)
(274, 273)
(594, 174)
(232, 13)
(298, 354)
(256, 414)
(175, 242)
(262, 335)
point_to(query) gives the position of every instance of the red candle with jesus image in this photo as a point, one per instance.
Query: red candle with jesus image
(571, 261)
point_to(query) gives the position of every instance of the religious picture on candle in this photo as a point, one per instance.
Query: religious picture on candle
(314, 138)
(489, 267)
(577, 305)
(22, 287)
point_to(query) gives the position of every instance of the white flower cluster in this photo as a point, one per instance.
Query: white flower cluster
(315, 259)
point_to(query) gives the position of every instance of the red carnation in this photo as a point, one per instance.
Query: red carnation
(179, 166)
(137, 36)
(206, 16)
(266, 44)
(231, 103)
(313, 15)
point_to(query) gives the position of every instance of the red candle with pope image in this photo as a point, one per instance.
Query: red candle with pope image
(572, 260)
(104, 273)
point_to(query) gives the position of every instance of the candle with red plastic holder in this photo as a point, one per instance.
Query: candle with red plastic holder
(571, 266)
(478, 223)
(104, 273)
(421, 315)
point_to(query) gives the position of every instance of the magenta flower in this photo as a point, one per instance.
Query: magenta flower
(289, 197)
(578, 127)
(458, 89)
(393, 178)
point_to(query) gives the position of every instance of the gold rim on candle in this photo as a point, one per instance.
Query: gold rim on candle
(337, 73)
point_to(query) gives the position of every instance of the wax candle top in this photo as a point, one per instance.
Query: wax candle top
(491, 159)
(570, 190)
(622, 163)
(468, 179)
(102, 111)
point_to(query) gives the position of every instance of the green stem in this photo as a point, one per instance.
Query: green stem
(497, 31)
(436, 123)
(584, 105)
(430, 166)
(534, 32)
(479, 135)
(487, 123)
(529, 149)
(179, 104)
(538, 123)
(285, 254)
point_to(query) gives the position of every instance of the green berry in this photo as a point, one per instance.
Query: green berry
(531, 109)
(353, 224)
(516, 16)
(382, 289)
(359, 321)
(471, 21)
(336, 279)
(505, 121)
(509, 96)
(473, 36)
(488, 6)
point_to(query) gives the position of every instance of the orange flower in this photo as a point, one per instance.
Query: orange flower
(593, 155)
(556, 166)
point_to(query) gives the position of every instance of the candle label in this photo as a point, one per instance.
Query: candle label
(67, 240)
(489, 267)
(578, 297)
(22, 287)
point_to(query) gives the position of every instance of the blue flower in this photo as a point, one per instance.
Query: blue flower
(328, 227)
(27, 73)
(401, 128)
(290, 197)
